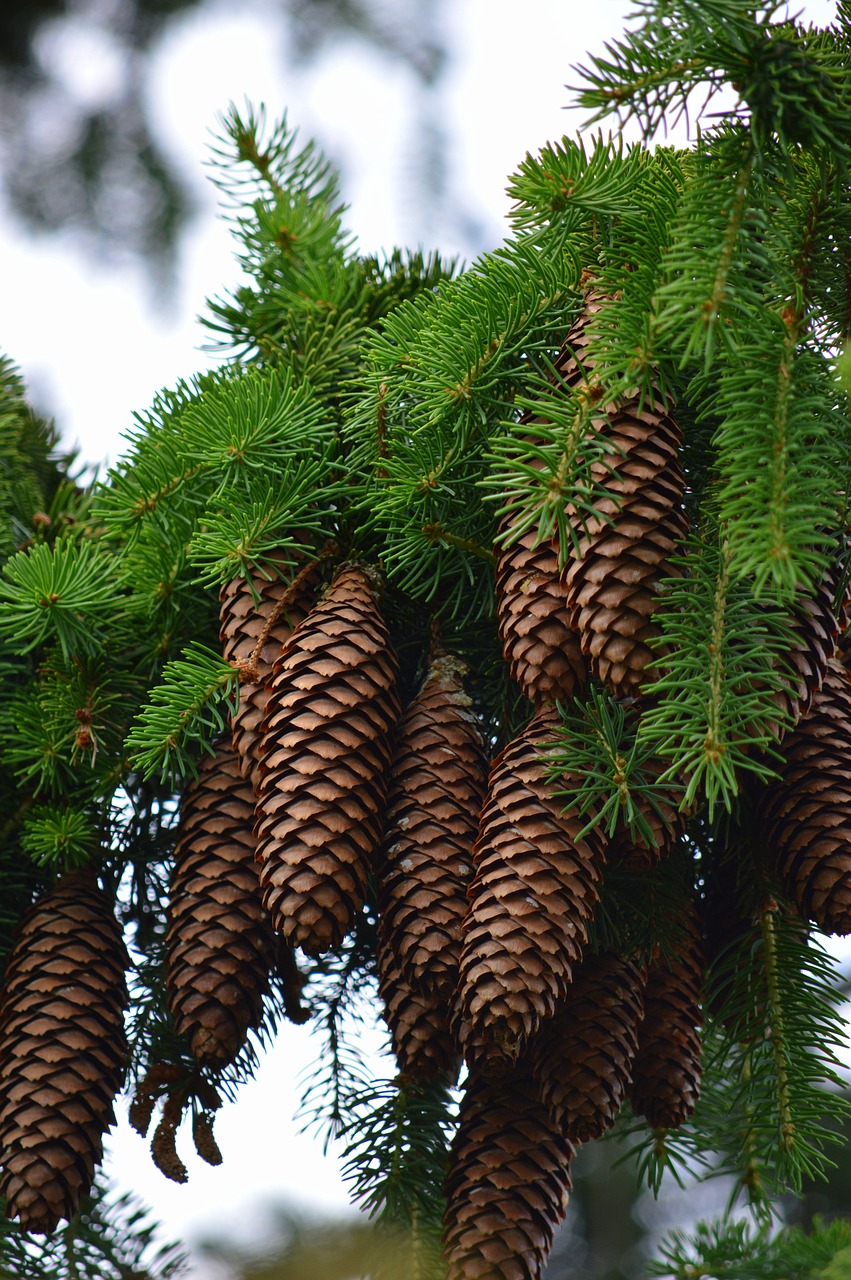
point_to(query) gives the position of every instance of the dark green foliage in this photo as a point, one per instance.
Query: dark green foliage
(391, 411)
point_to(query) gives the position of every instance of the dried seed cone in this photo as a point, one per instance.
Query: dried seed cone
(244, 610)
(324, 761)
(508, 1182)
(582, 1057)
(220, 944)
(534, 891)
(623, 552)
(805, 814)
(418, 1020)
(666, 1071)
(437, 785)
(533, 619)
(63, 1051)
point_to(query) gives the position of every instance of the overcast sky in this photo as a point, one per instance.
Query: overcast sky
(96, 343)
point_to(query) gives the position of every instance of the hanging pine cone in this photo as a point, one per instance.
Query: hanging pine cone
(534, 891)
(63, 1051)
(667, 1068)
(437, 784)
(324, 761)
(804, 815)
(220, 945)
(582, 1057)
(542, 649)
(418, 1020)
(815, 629)
(508, 1182)
(246, 609)
(623, 552)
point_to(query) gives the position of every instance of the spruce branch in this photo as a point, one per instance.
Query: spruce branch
(188, 707)
(60, 592)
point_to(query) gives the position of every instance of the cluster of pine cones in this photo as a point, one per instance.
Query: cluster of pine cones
(486, 888)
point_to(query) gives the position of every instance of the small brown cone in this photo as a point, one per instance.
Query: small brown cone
(63, 1051)
(418, 1020)
(246, 610)
(324, 761)
(582, 1057)
(805, 814)
(220, 944)
(437, 783)
(623, 552)
(531, 899)
(815, 629)
(533, 619)
(508, 1181)
(666, 1071)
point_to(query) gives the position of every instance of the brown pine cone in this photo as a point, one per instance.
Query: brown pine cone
(63, 1051)
(542, 649)
(437, 783)
(666, 1071)
(325, 757)
(531, 899)
(244, 611)
(581, 1059)
(508, 1181)
(418, 1020)
(220, 944)
(623, 552)
(805, 814)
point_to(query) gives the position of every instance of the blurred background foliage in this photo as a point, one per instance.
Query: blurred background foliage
(87, 159)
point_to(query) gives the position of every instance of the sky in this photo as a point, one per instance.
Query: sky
(95, 343)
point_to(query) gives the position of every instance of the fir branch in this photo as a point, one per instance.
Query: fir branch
(62, 592)
(735, 1250)
(110, 1238)
(188, 707)
(722, 659)
(598, 768)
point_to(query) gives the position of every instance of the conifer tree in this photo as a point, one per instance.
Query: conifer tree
(633, 414)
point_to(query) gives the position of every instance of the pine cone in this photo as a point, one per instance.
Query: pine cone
(508, 1182)
(623, 552)
(437, 784)
(245, 609)
(805, 814)
(324, 761)
(220, 943)
(63, 1051)
(534, 891)
(667, 1068)
(418, 1020)
(582, 1057)
(542, 649)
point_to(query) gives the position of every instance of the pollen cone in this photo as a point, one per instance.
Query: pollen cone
(805, 814)
(63, 1051)
(667, 1068)
(508, 1181)
(623, 550)
(582, 1057)
(245, 610)
(437, 784)
(219, 945)
(531, 899)
(324, 761)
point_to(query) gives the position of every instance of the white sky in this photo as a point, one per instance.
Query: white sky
(94, 346)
